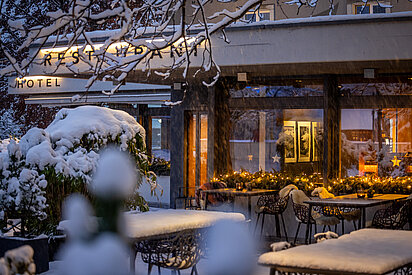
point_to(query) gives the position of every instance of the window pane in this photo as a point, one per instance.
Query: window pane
(161, 137)
(279, 91)
(280, 140)
(359, 8)
(191, 155)
(375, 89)
(265, 15)
(203, 149)
(251, 17)
(378, 9)
(376, 141)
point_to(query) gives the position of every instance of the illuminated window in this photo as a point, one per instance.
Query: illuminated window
(360, 8)
(260, 15)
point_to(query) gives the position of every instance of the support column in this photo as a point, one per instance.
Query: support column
(176, 147)
(222, 159)
(331, 126)
(211, 132)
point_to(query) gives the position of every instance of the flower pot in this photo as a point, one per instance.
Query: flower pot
(39, 245)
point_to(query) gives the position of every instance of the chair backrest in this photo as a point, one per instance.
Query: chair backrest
(179, 251)
(394, 216)
(285, 191)
(322, 193)
(298, 196)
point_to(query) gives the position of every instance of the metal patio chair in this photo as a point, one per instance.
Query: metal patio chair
(393, 217)
(178, 251)
(271, 205)
(301, 214)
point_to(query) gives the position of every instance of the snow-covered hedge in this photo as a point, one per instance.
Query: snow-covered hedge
(65, 154)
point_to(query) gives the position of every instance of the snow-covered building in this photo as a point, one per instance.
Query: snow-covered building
(286, 91)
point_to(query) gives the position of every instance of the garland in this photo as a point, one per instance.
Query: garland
(306, 183)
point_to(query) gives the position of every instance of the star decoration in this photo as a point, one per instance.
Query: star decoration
(276, 159)
(395, 161)
(250, 157)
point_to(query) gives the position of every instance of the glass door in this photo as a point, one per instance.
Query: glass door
(195, 151)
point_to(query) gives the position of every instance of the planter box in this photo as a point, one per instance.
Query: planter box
(55, 243)
(39, 245)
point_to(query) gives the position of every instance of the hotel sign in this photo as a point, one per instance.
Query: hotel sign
(51, 84)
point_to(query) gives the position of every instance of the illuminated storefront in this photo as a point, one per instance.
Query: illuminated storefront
(294, 97)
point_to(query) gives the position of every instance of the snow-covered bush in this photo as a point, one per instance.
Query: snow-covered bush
(65, 154)
(22, 189)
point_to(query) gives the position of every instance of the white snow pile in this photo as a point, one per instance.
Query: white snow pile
(18, 260)
(98, 123)
(70, 142)
(368, 251)
(320, 237)
(165, 221)
(278, 246)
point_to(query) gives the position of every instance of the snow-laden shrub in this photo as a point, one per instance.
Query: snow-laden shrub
(67, 151)
(22, 189)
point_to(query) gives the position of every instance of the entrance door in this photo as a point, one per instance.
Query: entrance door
(195, 151)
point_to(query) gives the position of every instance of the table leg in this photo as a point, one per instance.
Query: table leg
(277, 226)
(206, 200)
(363, 217)
(249, 207)
(308, 224)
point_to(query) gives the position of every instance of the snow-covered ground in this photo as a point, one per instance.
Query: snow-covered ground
(141, 268)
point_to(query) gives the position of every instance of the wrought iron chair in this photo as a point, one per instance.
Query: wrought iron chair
(189, 201)
(394, 216)
(180, 251)
(301, 214)
(271, 205)
(341, 213)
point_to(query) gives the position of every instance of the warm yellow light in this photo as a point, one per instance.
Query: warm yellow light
(34, 77)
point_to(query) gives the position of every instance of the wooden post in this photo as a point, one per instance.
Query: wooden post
(222, 161)
(331, 126)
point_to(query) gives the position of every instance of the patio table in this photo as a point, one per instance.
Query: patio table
(162, 223)
(352, 201)
(366, 251)
(242, 193)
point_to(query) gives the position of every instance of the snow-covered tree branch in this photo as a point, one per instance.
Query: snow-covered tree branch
(141, 30)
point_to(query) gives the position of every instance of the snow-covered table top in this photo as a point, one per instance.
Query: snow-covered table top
(352, 200)
(165, 221)
(366, 251)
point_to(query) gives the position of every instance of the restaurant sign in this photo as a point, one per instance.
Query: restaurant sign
(80, 59)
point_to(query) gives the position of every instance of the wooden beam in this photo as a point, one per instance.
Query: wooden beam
(303, 102)
(375, 102)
